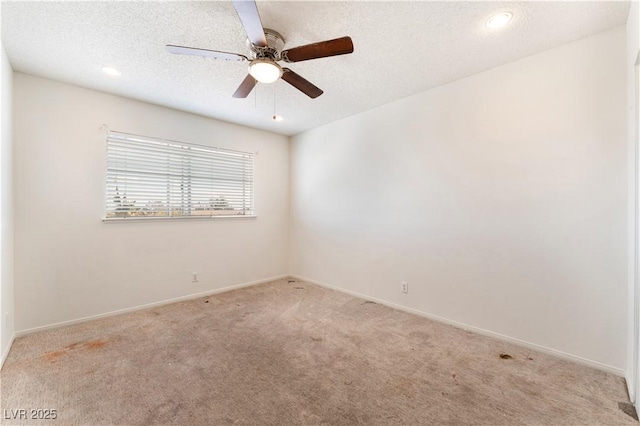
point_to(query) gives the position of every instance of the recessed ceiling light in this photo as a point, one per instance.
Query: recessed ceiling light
(499, 20)
(111, 71)
(277, 118)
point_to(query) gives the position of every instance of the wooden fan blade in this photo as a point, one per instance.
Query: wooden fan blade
(182, 50)
(300, 83)
(248, 14)
(245, 87)
(323, 49)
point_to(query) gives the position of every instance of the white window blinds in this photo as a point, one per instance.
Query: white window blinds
(148, 177)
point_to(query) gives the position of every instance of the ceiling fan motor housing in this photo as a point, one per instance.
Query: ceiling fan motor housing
(275, 44)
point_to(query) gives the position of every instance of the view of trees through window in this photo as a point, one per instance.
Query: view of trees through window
(149, 177)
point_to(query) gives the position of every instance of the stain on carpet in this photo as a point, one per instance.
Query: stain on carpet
(53, 356)
(506, 356)
(95, 344)
(628, 409)
(73, 346)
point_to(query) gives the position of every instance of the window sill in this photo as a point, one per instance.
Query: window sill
(178, 218)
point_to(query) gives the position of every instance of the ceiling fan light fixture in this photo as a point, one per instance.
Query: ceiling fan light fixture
(265, 70)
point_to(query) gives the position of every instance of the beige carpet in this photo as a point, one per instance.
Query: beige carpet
(293, 353)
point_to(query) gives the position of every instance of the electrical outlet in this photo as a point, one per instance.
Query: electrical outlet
(404, 286)
(194, 278)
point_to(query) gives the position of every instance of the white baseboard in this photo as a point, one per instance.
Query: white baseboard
(584, 361)
(146, 306)
(6, 351)
(630, 389)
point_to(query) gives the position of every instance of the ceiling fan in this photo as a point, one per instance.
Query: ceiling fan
(265, 51)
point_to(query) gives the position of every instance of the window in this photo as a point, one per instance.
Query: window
(149, 178)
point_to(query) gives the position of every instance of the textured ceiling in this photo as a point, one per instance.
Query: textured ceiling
(400, 48)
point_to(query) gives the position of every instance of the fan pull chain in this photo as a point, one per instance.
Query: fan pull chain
(275, 117)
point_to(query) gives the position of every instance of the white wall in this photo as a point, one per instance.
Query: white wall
(633, 46)
(500, 198)
(70, 265)
(6, 210)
